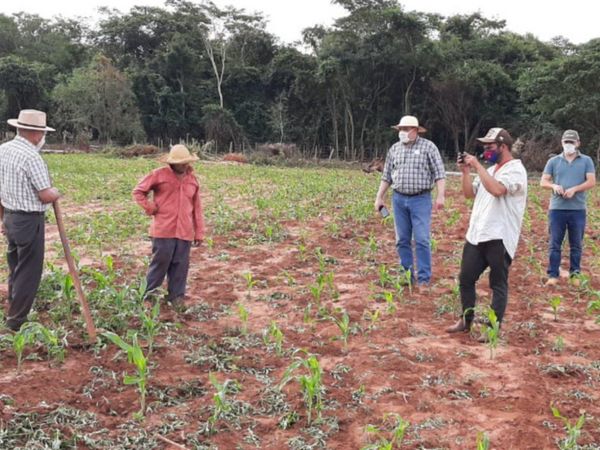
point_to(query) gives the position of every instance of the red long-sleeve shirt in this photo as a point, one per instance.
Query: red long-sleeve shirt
(176, 208)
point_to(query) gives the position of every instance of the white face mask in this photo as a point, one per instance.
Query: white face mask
(569, 149)
(403, 136)
(41, 143)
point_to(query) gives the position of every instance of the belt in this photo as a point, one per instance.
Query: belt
(24, 213)
(414, 194)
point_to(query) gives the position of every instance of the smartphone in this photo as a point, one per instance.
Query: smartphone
(461, 157)
(384, 211)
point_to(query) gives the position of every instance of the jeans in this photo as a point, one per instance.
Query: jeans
(475, 259)
(559, 221)
(412, 216)
(170, 258)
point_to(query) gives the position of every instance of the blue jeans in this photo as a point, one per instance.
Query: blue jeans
(412, 216)
(560, 221)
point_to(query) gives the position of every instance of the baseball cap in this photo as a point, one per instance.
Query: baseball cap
(499, 135)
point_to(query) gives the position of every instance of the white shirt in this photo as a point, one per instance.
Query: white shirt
(23, 173)
(500, 217)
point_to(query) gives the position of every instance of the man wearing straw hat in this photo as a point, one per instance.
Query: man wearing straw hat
(177, 221)
(25, 193)
(412, 166)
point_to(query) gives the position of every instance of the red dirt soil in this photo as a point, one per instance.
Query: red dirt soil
(446, 386)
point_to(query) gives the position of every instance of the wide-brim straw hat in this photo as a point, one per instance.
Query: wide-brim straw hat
(410, 121)
(179, 154)
(30, 119)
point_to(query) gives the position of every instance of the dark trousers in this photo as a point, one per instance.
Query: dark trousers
(25, 254)
(475, 259)
(170, 258)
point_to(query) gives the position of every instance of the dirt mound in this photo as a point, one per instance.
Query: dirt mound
(235, 157)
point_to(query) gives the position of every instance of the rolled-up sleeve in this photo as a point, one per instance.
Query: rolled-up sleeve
(514, 179)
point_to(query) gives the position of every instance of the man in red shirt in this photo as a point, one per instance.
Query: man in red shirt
(177, 220)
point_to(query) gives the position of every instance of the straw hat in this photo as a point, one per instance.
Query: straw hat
(30, 119)
(409, 121)
(179, 154)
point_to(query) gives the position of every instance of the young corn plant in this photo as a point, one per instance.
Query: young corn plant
(384, 275)
(492, 331)
(30, 333)
(343, 323)
(150, 325)
(390, 302)
(483, 441)
(317, 289)
(555, 302)
(373, 318)
(135, 356)
(221, 403)
(250, 283)
(311, 384)
(593, 307)
(273, 335)
(573, 430)
(399, 427)
(243, 315)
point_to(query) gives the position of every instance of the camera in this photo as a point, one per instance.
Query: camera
(461, 157)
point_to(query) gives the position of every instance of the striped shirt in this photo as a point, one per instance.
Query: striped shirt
(412, 169)
(23, 173)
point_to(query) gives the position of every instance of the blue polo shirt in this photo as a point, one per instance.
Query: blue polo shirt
(569, 174)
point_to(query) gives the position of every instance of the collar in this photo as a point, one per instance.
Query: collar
(499, 166)
(22, 140)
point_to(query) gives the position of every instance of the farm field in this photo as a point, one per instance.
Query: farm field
(298, 331)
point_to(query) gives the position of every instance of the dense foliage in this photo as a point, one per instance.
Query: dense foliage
(196, 71)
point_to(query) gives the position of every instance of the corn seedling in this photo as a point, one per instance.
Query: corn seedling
(335, 295)
(390, 302)
(321, 259)
(399, 427)
(384, 275)
(483, 441)
(559, 344)
(243, 315)
(316, 289)
(593, 307)
(343, 323)
(221, 404)
(311, 384)
(492, 331)
(135, 356)
(30, 333)
(150, 325)
(273, 335)
(250, 282)
(372, 317)
(573, 430)
(554, 304)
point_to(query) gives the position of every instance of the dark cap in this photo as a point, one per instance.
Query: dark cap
(499, 135)
(570, 135)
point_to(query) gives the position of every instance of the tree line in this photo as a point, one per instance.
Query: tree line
(196, 71)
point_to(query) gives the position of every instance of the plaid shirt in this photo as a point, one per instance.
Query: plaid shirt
(23, 173)
(411, 169)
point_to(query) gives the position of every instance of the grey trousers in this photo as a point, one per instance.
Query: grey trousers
(170, 258)
(25, 255)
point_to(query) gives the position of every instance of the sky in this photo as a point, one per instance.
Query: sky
(577, 20)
